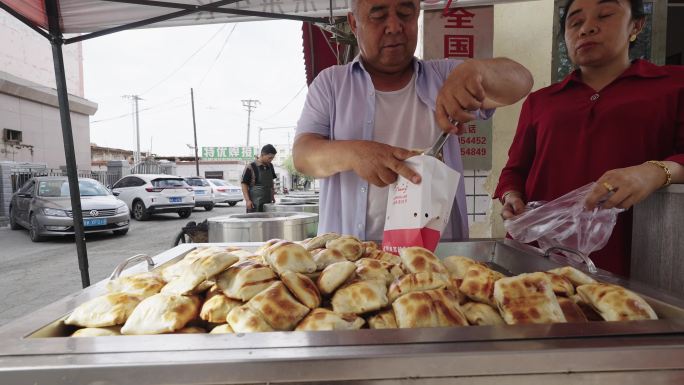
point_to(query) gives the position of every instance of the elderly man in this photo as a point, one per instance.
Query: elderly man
(361, 119)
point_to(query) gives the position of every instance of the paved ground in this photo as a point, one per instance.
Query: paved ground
(34, 274)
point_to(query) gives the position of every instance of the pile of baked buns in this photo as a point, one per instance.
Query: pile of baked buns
(337, 282)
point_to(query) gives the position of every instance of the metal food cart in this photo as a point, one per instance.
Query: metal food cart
(34, 350)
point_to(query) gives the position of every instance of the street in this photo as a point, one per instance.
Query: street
(36, 274)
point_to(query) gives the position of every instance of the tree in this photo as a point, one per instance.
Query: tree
(298, 179)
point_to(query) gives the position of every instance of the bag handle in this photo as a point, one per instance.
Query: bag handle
(587, 261)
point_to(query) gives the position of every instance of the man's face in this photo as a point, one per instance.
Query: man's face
(598, 31)
(267, 158)
(387, 32)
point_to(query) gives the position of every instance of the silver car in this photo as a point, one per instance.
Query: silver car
(204, 194)
(225, 192)
(43, 206)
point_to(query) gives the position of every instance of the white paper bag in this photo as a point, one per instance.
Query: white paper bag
(418, 213)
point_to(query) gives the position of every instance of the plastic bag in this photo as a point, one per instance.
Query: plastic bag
(565, 222)
(418, 213)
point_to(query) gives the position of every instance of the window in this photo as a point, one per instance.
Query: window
(197, 182)
(136, 182)
(122, 183)
(28, 187)
(168, 183)
(13, 136)
(213, 174)
(219, 182)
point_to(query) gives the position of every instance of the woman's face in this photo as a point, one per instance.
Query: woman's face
(597, 32)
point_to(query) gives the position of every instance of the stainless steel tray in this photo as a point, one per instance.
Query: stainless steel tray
(365, 354)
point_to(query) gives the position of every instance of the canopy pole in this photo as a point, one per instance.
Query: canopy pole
(67, 135)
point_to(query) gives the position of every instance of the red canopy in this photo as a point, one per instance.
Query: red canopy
(106, 16)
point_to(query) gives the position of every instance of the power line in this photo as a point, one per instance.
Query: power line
(288, 103)
(163, 104)
(225, 42)
(185, 62)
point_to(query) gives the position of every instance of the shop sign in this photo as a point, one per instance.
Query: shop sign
(229, 153)
(464, 33)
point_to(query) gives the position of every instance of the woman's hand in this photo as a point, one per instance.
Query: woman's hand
(629, 185)
(513, 205)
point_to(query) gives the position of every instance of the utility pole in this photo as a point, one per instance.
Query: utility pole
(194, 129)
(135, 98)
(249, 104)
(275, 128)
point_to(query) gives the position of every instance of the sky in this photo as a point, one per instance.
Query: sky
(224, 63)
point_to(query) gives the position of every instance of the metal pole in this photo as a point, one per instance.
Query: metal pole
(137, 126)
(67, 135)
(249, 104)
(194, 129)
(260, 129)
(249, 119)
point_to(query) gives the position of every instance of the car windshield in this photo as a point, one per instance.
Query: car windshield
(168, 182)
(219, 182)
(197, 182)
(60, 188)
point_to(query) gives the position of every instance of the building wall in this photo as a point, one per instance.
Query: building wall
(26, 54)
(28, 98)
(531, 46)
(232, 173)
(41, 133)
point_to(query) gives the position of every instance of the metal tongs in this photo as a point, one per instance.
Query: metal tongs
(437, 147)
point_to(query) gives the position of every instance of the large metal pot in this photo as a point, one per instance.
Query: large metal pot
(260, 227)
(299, 200)
(291, 207)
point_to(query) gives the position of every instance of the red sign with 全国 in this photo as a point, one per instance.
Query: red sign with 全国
(464, 33)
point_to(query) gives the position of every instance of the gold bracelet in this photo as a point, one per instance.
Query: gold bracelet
(668, 174)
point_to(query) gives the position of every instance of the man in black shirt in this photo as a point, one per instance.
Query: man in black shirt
(257, 180)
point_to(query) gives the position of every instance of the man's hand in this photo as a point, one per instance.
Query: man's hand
(479, 84)
(513, 205)
(249, 204)
(380, 163)
(462, 92)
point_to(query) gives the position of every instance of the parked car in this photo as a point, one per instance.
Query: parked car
(204, 193)
(148, 194)
(43, 206)
(225, 192)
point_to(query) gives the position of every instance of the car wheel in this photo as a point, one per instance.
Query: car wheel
(13, 222)
(33, 230)
(120, 232)
(209, 207)
(139, 211)
(185, 213)
(232, 203)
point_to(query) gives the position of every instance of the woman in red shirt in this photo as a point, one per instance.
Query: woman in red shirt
(613, 121)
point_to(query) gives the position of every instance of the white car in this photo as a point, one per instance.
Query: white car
(204, 192)
(147, 194)
(225, 192)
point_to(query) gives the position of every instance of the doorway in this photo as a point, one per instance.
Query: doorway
(675, 33)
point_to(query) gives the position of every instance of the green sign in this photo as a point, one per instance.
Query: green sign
(229, 153)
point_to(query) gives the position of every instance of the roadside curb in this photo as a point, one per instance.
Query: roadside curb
(4, 221)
